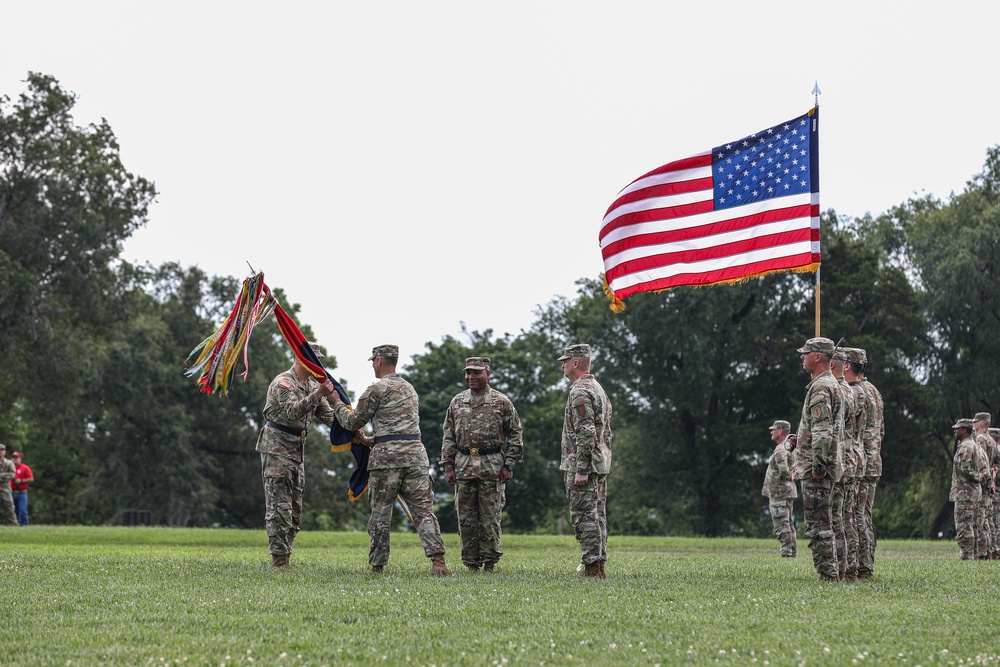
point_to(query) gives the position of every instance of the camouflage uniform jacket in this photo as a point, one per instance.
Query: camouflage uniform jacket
(857, 442)
(392, 406)
(291, 402)
(989, 449)
(779, 481)
(817, 444)
(874, 430)
(967, 472)
(849, 463)
(7, 472)
(472, 424)
(586, 435)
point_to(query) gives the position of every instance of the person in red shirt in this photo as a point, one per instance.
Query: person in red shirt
(19, 488)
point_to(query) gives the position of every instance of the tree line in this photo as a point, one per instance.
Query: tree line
(92, 347)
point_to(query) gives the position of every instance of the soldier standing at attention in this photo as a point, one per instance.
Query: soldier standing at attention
(854, 468)
(7, 515)
(966, 488)
(842, 526)
(779, 488)
(817, 443)
(398, 465)
(995, 434)
(586, 458)
(481, 445)
(984, 516)
(293, 398)
(874, 431)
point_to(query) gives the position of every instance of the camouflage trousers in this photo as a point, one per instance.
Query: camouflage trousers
(413, 486)
(850, 521)
(283, 483)
(984, 526)
(996, 526)
(479, 503)
(7, 514)
(817, 506)
(965, 528)
(839, 533)
(782, 516)
(867, 538)
(588, 512)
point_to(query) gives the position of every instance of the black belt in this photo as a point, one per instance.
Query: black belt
(473, 451)
(405, 436)
(300, 432)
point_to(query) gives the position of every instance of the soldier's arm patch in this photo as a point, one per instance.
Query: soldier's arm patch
(284, 383)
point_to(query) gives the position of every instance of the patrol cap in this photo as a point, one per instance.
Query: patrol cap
(385, 351)
(576, 350)
(856, 355)
(3, 446)
(963, 423)
(477, 364)
(983, 417)
(780, 423)
(840, 355)
(824, 345)
(315, 348)
(993, 431)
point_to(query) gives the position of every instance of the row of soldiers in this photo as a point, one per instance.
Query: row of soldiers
(836, 456)
(973, 485)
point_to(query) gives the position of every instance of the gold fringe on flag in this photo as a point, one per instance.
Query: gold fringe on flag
(617, 305)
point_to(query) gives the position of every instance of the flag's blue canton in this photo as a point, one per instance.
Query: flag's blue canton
(772, 163)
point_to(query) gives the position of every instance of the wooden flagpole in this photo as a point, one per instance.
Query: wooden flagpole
(817, 302)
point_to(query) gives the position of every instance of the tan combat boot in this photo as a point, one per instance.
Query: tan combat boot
(377, 569)
(592, 570)
(488, 567)
(438, 567)
(600, 564)
(280, 560)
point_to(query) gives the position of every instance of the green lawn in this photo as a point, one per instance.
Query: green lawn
(84, 596)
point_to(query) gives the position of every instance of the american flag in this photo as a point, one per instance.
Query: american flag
(746, 208)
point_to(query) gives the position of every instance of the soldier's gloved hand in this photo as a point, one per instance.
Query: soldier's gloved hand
(449, 475)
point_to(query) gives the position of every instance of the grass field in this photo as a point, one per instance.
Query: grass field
(157, 596)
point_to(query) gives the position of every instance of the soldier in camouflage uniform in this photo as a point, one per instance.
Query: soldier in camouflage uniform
(779, 488)
(398, 465)
(984, 516)
(854, 468)
(995, 434)
(7, 515)
(481, 445)
(816, 441)
(842, 525)
(967, 478)
(586, 458)
(293, 398)
(872, 438)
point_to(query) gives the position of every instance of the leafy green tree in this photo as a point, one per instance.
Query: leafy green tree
(952, 250)
(66, 204)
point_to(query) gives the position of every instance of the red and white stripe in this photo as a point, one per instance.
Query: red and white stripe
(663, 231)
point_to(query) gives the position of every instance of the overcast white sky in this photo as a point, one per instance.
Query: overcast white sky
(401, 167)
